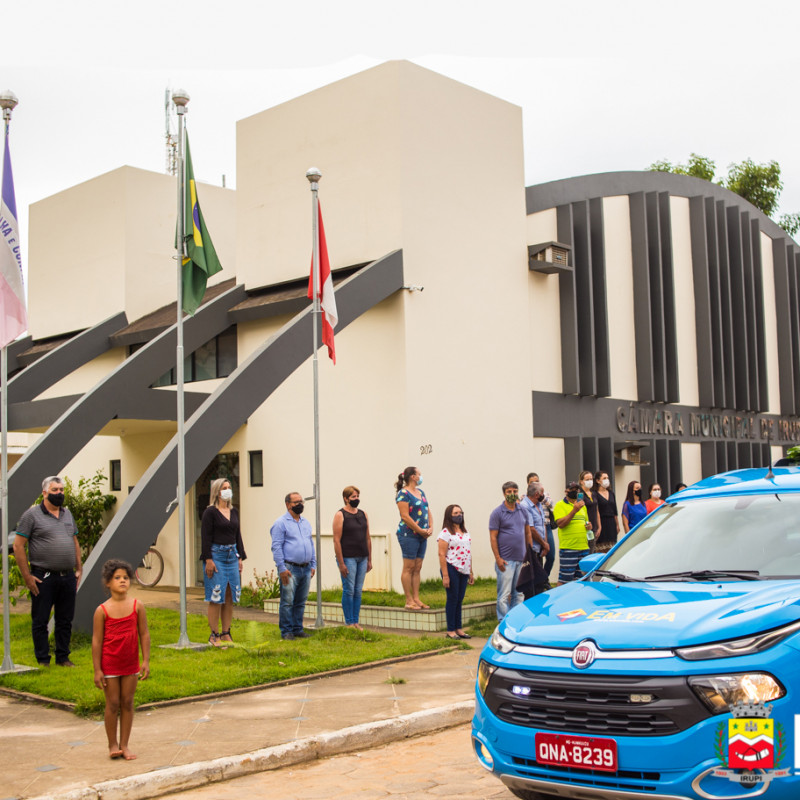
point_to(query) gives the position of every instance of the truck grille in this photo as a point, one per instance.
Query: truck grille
(594, 704)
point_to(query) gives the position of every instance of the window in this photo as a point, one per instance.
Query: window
(217, 358)
(115, 475)
(256, 468)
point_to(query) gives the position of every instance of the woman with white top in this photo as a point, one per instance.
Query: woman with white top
(455, 562)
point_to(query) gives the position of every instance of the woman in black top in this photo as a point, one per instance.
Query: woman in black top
(223, 553)
(353, 547)
(590, 499)
(607, 509)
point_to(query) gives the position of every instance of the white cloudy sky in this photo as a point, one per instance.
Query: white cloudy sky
(605, 84)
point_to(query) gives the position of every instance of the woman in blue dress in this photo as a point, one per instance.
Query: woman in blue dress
(633, 509)
(412, 532)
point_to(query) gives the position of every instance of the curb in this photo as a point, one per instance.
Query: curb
(201, 773)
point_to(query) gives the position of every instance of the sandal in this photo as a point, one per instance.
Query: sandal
(213, 639)
(226, 633)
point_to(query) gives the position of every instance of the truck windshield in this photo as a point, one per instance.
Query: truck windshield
(713, 539)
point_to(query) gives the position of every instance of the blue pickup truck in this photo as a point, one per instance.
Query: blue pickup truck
(671, 670)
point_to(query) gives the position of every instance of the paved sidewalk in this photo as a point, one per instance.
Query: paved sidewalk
(49, 752)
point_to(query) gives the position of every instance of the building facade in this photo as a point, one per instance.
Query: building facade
(641, 323)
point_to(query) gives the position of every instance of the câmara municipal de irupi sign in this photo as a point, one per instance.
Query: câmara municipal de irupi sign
(641, 419)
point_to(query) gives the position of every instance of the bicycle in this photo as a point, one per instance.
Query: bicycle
(150, 568)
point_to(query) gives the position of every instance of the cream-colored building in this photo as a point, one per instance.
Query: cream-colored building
(487, 329)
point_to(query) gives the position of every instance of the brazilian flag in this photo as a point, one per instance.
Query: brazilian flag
(201, 261)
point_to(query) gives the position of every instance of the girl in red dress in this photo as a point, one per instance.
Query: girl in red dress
(120, 628)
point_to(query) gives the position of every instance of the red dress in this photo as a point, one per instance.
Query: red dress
(120, 654)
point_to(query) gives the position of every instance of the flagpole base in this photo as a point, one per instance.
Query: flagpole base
(9, 667)
(187, 645)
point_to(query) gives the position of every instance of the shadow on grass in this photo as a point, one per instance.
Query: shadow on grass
(259, 656)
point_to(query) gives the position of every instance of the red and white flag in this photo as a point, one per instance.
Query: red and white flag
(327, 300)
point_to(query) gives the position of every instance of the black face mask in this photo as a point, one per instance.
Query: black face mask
(572, 495)
(457, 519)
(638, 492)
(298, 508)
(354, 503)
(56, 499)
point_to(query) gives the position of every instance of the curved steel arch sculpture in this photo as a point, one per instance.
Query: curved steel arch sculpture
(149, 505)
(86, 417)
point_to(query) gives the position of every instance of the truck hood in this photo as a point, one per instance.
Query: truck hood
(652, 615)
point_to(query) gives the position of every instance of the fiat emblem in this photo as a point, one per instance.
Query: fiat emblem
(584, 654)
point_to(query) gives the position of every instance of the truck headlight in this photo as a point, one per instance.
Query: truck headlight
(499, 642)
(721, 692)
(485, 671)
(745, 646)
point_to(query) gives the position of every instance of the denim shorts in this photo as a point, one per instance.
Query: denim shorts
(412, 545)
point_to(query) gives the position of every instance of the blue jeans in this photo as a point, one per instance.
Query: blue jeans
(455, 597)
(351, 588)
(507, 594)
(293, 599)
(550, 558)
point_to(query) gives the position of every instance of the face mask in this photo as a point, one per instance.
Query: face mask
(226, 494)
(457, 519)
(354, 503)
(56, 499)
(511, 498)
(638, 492)
(656, 493)
(572, 495)
(298, 508)
(606, 483)
(588, 483)
(419, 481)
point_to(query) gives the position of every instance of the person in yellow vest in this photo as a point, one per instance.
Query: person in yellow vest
(573, 526)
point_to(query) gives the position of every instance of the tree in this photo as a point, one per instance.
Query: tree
(697, 167)
(759, 184)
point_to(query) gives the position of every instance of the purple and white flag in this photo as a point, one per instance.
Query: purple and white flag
(13, 315)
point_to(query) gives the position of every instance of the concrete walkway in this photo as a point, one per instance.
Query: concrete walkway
(48, 752)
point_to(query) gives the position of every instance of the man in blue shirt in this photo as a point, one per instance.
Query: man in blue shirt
(296, 562)
(533, 579)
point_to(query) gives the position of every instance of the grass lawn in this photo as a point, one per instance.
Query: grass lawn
(258, 657)
(431, 592)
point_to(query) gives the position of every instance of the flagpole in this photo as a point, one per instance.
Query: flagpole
(7, 102)
(181, 99)
(314, 176)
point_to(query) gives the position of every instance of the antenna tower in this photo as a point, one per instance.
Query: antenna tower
(171, 134)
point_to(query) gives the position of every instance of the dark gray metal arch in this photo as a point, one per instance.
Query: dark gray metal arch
(610, 184)
(64, 359)
(86, 417)
(145, 512)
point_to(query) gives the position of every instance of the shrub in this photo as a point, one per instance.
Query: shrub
(266, 587)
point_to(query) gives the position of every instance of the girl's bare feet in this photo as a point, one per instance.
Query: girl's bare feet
(127, 755)
(114, 751)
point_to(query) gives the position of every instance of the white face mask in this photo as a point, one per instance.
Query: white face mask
(656, 493)
(588, 483)
(226, 494)
(606, 483)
